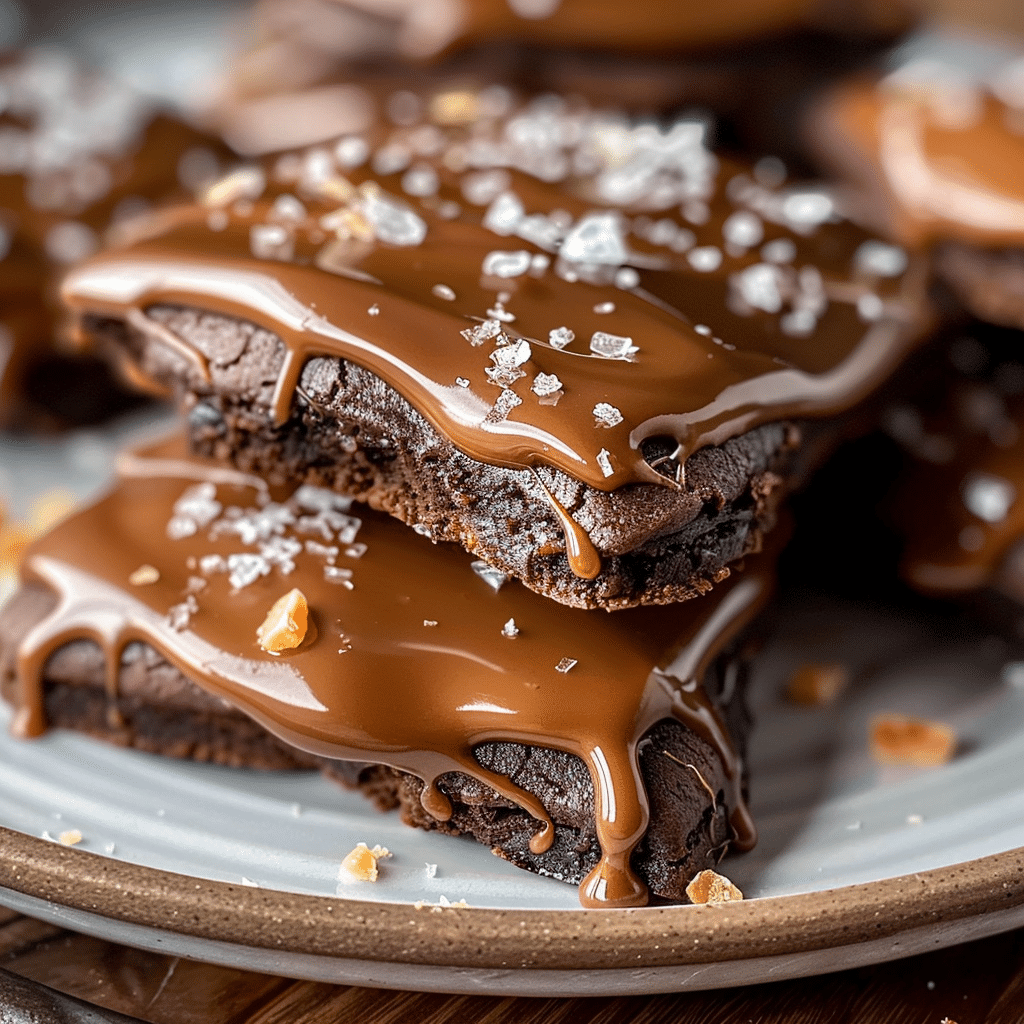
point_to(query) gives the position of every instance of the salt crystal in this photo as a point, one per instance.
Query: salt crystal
(70, 241)
(870, 307)
(504, 214)
(545, 384)
(988, 497)
(510, 629)
(391, 159)
(179, 615)
(374, 310)
(482, 187)
(422, 529)
(798, 323)
(770, 171)
(288, 209)
(351, 151)
(494, 578)
(324, 551)
(597, 238)
(320, 499)
(626, 277)
(606, 415)
(805, 210)
(392, 221)
(880, 259)
(506, 264)
(482, 332)
(758, 286)
(703, 329)
(743, 229)
(697, 212)
(241, 183)
(462, 382)
(442, 291)
(499, 312)
(779, 250)
(566, 664)
(356, 550)
(612, 346)
(271, 242)
(705, 258)
(430, 870)
(514, 353)
(539, 263)
(605, 462)
(245, 569)
(504, 404)
(541, 230)
(212, 563)
(334, 574)
(504, 376)
(604, 307)
(180, 527)
(560, 337)
(420, 180)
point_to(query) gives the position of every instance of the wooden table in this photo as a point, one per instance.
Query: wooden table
(978, 983)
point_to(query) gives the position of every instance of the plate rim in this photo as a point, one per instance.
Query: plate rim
(482, 937)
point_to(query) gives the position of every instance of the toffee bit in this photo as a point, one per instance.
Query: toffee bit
(510, 629)
(709, 887)
(815, 685)
(72, 837)
(899, 739)
(494, 578)
(604, 460)
(286, 623)
(288, 209)
(612, 346)
(442, 291)
(606, 415)
(566, 665)
(361, 863)
(560, 337)
(144, 575)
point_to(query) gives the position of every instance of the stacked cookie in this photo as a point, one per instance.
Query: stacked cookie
(489, 412)
(79, 153)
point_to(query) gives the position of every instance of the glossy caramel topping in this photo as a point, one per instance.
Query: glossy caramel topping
(411, 655)
(934, 157)
(961, 505)
(546, 284)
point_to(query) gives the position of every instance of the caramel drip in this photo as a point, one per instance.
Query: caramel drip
(707, 367)
(410, 668)
(584, 558)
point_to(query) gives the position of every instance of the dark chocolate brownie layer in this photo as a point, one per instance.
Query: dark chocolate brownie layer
(351, 431)
(158, 710)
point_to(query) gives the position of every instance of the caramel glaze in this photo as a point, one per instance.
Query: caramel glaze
(343, 287)
(960, 504)
(932, 162)
(410, 667)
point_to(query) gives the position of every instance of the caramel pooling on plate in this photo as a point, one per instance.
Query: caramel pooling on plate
(898, 739)
(816, 684)
(285, 626)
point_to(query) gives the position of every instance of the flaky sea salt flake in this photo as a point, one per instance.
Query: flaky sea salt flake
(494, 578)
(612, 346)
(560, 337)
(504, 214)
(245, 569)
(597, 238)
(442, 291)
(504, 404)
(393, 222)
(605, 462)
(500, 263)
(545, 384)
(606, 415)
(482, 332)
(510, 629)
(335, 574)
(271, 242)
(566, 665)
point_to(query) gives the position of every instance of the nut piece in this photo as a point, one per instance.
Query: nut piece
(711, 887)
(144, 575)
(361, 863)
(897, 739)
(285, 625)
(817, 684)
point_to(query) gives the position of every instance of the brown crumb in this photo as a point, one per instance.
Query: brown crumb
(285, 625)
(711, 887)
(70, 838)
(361, 863)
(144, 575)
(817, 684)
(898, 739)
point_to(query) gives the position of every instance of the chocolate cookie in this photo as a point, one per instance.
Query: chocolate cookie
(585, 349)
(78, 153)
(935, 161)
(557, 735)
